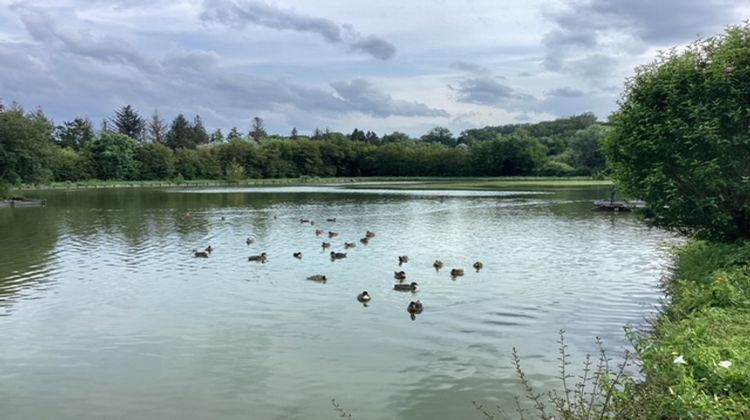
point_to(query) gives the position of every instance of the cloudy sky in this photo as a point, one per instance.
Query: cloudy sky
(382, 65)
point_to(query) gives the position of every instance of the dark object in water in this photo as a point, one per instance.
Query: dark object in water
(617, 206)
(23, 202)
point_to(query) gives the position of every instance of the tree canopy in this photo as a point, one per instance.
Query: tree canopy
(681, 138)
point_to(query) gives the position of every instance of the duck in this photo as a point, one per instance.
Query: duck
(364, 297)
(365, 240)
(478, 266)
(263, 257)
(200, 254)
(403, 259)
(301, 221)
(209, 249)
(406, 287)
(332, 234)
(332, 219)
(399, 275)
(415, 307)
(348, 245)
(369, 234)
(318, 277)
(249, 241)
(457, 272)
(297, 255)
(325, 245)
(318, 232)
(338, 255)
(437, 264)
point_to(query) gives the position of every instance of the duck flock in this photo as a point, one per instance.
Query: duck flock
(414, 308)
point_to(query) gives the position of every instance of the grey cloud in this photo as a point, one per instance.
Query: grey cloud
(606, 28)
(486, 90)
(470, 67)
(375, 46)
(44, 29)
(565, 92)
(361, 96)
(240, 13)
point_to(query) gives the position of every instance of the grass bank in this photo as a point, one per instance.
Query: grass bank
(697, 357)
(351, 182)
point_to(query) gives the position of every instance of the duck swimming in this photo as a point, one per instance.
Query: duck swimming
(263, 257)
(348, 245)
(399, 275)
(365, 240)
(332, 219)
(438, 264)
(200, 254)
(415, 307)
(369, 234)
(297, 255)
(457, 272)
(325, 245)
(406, 287)
(338, 255)
(249, 241)
(403, 259)
(318, 232)
(478, 266)
(332, 234)
(364, 297)
(319, 278)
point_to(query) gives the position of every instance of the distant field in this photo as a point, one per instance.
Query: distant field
(402, 183)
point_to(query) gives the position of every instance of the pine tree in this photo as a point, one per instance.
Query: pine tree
(156, 129)
(295, 134)
(259, 131)
(75, 134)
(181, 135)
(200, 136)
(128, 122)
(234, 134)
(217, 136)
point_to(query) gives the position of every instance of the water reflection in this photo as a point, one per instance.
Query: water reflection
(128, 323)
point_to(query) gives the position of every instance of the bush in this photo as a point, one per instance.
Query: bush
(681, 138)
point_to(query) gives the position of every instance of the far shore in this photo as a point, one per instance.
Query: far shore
(401, 183)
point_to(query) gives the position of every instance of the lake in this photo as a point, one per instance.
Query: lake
(105, 312)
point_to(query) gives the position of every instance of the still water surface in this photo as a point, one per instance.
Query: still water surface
(104, 312)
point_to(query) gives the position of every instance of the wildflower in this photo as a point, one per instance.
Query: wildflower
(679, 360)
(726, 364)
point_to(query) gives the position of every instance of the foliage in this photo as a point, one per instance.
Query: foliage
(156, 129)
(586, 147)
(114, 156)
(156, 161)
(235, 173)
(128, 122)
(514, 154)
(681, 138)
(706, 325)
(75, 134)
(25, 146)
(258, 131)
(439, 135)
(181, 134)
(71, 165)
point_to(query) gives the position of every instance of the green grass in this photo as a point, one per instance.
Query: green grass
(352, 182)
(706, 322)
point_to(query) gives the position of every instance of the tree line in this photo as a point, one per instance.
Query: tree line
(128, 146)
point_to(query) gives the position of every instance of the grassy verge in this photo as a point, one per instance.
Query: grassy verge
(697, 357)
(352, 182)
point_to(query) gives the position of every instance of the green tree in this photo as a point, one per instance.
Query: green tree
(358, 135)
(114, 156)
(156, 129)
(128, 122)
(680, 139)
(25, 146)
(181, 134)
(439, 135)
(295, 133)
(70, 165)
(217, 137)
(395, 137)
(234, 134)
(74, 134)
(200, 136)
(156, 161)
(586, 147)
(258, 131)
